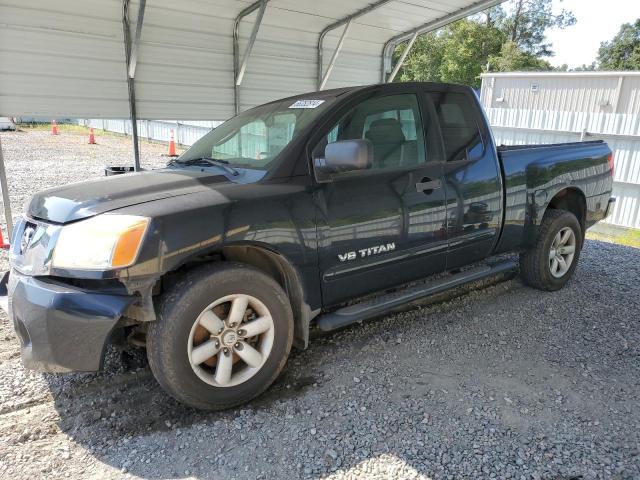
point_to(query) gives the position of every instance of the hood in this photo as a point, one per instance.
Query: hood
(86, 199)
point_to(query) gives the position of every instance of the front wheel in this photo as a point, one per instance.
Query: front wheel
(222, 336)
(550, 263)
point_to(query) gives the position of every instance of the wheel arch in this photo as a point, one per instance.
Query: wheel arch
(570, 199)
(274, 264)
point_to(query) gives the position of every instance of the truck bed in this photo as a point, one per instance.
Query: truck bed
(542, 170)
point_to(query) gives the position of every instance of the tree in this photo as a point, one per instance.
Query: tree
(425, 59)
(455, 54)
(623, 52)
(586, 68)
(526, 22)
(513, 59)
(501, 39)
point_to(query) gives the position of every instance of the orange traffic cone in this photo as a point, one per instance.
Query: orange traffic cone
(92, 138)
(4, 246)
(54, 127)
(172, 145)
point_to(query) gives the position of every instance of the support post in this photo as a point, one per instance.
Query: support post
(402, 58)
(240, 67)
(6, 202)
(131, 49)
(334, 57)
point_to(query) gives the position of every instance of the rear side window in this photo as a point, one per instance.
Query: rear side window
(460, 132)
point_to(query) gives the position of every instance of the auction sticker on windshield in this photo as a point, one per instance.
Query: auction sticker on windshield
(307, 104)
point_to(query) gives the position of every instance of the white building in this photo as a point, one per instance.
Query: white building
(551, 107)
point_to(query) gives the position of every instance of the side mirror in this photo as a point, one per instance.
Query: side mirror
(346, 156)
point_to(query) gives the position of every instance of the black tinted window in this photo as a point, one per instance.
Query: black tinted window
(460, 133)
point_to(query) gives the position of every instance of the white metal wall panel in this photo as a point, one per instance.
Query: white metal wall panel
(66, 58)
(599, 92)
(563, 107)
(56, 58)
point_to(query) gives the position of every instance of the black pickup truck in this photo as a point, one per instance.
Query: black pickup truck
(291, 215)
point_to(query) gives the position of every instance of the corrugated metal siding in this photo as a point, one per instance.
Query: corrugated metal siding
(58, 57)
(598, 93)
(184, 132)
(66, 58)
(567, 108)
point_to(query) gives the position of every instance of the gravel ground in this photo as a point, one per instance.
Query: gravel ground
(503, 382)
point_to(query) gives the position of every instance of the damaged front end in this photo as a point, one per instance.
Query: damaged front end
(64, 321)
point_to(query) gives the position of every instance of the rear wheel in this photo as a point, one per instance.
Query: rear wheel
(550, 263)
(222, 336)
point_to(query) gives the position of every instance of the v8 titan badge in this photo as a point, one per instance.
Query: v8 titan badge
(367, 252)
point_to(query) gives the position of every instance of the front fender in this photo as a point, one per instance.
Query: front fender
(278, 218)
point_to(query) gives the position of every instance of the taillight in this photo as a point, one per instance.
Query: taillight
(611, 163)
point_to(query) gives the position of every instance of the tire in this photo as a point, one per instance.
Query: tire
(536, 264)
(172, 340)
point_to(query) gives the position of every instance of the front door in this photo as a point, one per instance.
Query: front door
(386, 225)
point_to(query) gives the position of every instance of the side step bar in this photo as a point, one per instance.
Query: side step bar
(387, 303)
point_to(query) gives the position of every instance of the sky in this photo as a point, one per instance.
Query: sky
(597, 21)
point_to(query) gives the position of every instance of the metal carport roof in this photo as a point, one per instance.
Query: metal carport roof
(68, 57)
(197, 59)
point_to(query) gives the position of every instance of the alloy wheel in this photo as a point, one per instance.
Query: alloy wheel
(230, 340)
(563, 250)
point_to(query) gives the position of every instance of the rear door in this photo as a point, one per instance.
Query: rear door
(472, 178)
(383, 226)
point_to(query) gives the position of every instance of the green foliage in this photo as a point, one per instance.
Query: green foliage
(623, 52)
(528, 21)
(513, 59)
(499, 39)
(456, 54)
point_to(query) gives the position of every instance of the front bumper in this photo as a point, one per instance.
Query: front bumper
(61, 328)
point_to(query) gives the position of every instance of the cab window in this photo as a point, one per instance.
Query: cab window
(393, 126)
(460, 132)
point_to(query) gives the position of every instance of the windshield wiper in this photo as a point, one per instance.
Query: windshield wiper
(207, 161)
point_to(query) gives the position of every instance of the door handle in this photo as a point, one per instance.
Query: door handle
(427, 185)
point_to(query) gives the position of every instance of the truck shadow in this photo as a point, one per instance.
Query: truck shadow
(126, 400)
(312, 422)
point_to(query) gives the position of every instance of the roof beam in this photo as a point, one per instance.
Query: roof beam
(252, 41)
(392, 43)
(136, 39)
(334, 57)
(240, 67)
(402, 58)
(343, 21)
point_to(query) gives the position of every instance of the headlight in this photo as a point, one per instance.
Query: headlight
(99, 243)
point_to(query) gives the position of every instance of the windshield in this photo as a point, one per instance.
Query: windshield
(254, 138)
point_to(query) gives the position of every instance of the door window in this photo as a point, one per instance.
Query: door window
(393, 126)
(460, 133)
